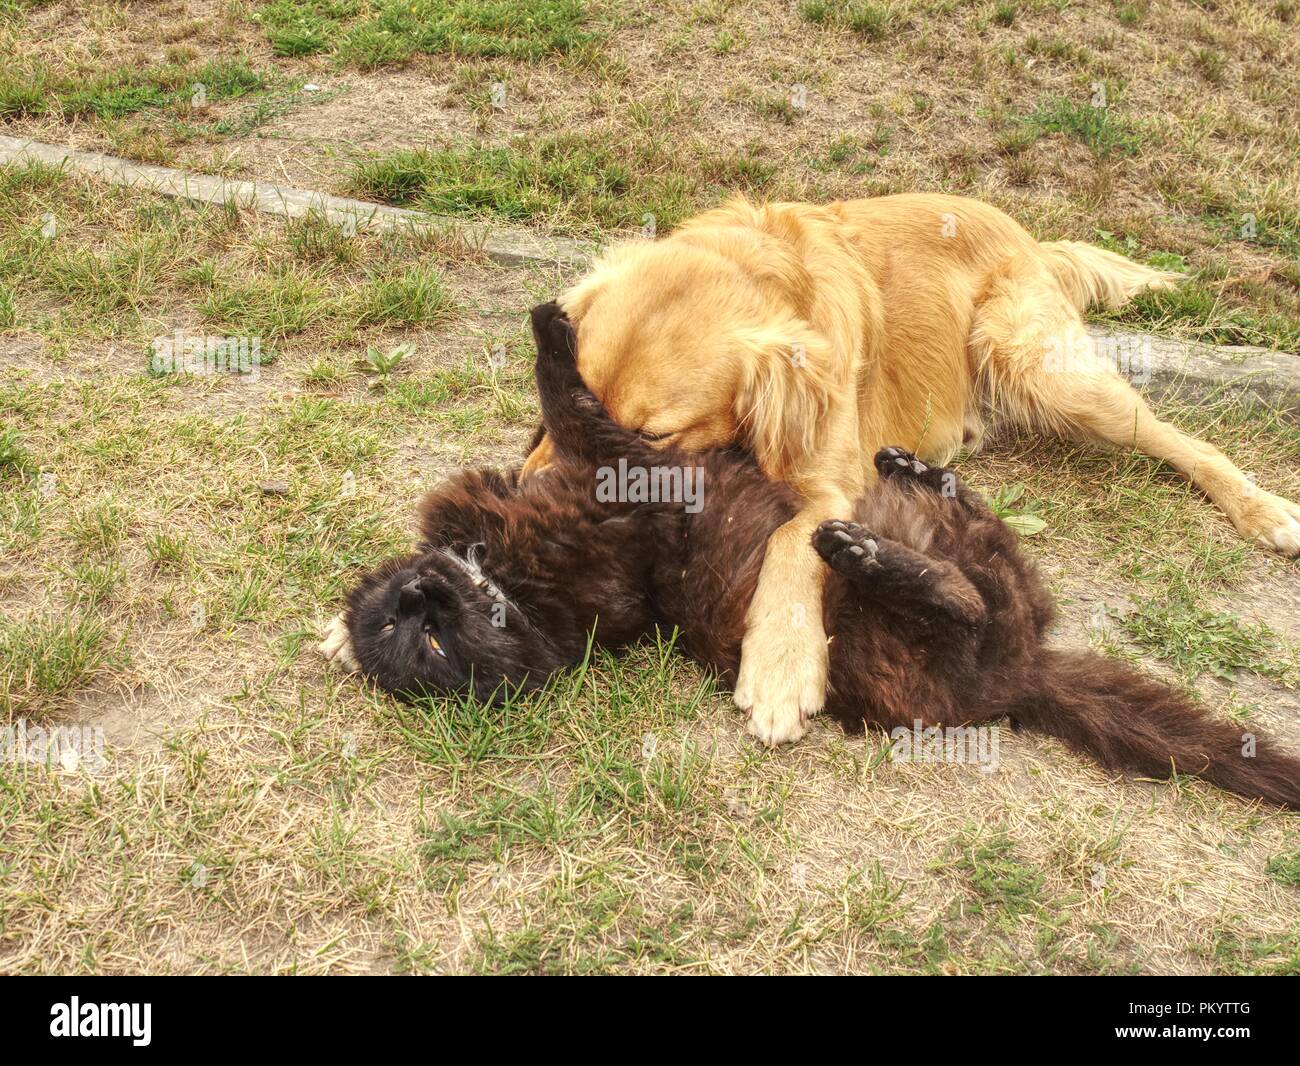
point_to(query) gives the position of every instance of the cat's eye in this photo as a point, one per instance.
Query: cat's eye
(433, 643)
(387, 626)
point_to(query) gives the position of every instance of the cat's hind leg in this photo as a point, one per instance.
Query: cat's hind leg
(896, 577)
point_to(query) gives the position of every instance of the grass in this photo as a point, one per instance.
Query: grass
(312, 278)
(117, 92)
(999, 882)
(172, 543)
(869, 20)
(611, 115)
(1285, 869)
(44, 658)
(1093, 124)
(570, 182)
(15, 460)
(1196, 640)
(616, 821)
(392, 31)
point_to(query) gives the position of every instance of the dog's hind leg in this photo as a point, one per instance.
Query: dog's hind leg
(1037, 365)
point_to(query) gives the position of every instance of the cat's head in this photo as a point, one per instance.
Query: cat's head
(433, 623)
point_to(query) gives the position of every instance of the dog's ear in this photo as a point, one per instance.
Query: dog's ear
(578, 298)
(783, 394)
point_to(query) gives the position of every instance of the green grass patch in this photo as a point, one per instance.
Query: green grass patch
(1216, 304)
(1000, 884)
(1198, 641)
(1285, 869)
(22, 92)
(373, 35)
(1206, 313)
(45, 657)
(127, 90)
(569, 181)
(1100, 128)
(15, 459)
(872, 21)
(1255, 956)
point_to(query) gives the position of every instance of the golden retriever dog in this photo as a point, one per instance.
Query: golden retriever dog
(815, 335)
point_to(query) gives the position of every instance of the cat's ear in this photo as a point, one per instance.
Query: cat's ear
(787, 377)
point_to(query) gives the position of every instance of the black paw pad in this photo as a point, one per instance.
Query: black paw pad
(847, 546)
(892, 461)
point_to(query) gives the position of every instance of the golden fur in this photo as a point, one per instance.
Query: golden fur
(817, 334)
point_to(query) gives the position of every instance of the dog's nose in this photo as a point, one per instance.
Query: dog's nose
(411, 597)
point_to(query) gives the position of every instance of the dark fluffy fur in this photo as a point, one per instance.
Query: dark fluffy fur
(933, 613)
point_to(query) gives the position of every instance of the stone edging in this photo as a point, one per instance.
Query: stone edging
(1173, 365)
(503, 245)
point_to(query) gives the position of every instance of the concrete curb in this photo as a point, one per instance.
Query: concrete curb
(512, 247)
(1175, 366)
(1167, 365)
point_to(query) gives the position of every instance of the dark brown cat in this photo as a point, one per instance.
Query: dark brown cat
(933, 614)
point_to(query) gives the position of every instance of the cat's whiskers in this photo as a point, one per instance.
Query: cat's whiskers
(470, 564)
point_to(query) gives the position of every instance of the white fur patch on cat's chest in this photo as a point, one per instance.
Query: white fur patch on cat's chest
(470, 564)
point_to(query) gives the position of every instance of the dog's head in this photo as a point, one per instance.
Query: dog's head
(688, 347)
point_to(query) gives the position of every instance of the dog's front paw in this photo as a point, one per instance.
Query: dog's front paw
(847, 547)
(337, 645)
(1271, 521)
(782, 680)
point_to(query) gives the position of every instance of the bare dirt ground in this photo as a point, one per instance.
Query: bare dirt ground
(170, 544)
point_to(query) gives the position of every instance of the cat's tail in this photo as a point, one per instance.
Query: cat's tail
(1129, 722)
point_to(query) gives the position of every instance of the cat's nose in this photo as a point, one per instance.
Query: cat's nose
(411, 597)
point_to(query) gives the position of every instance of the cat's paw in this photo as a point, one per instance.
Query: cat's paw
(848, 548)
(556, 344)
(901, 465)
(337, 645)
(892, 461)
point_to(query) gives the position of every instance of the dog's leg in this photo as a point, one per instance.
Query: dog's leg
(1038, 366)
(896, 577)
(783, 658)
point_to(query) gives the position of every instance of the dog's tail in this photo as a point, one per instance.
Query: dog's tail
(1129, 722)
(1094, 277)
